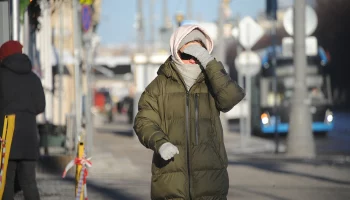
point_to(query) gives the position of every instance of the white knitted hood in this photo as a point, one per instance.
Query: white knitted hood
(180, 33)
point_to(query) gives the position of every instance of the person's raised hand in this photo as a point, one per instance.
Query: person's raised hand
(200, 53)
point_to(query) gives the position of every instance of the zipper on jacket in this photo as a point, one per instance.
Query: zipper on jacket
(197, 117)
(188, 144)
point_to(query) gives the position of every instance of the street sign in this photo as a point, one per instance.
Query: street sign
(248, 63)
(311, 46)
(86, 17)
(310, 24)
(250, 32)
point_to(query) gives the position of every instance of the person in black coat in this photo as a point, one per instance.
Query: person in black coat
(22, 94)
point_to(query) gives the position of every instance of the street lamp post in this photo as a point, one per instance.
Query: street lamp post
(77, 71)
(4, 22)
(179, 17)
(221, 55)
(300, 141)
(15, 19)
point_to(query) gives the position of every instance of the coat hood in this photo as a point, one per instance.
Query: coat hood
(180, 34)
(18, 63)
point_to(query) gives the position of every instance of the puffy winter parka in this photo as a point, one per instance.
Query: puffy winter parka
(190, 120)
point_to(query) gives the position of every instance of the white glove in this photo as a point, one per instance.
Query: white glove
(199, 52)
(168, 150)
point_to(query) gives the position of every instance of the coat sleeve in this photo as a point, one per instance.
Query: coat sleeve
(147, 123)
(227, 93)
(39, 96)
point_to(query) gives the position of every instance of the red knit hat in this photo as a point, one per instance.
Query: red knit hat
(9, 48)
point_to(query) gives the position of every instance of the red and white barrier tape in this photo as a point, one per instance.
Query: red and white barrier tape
(2, 164)
(85, 163)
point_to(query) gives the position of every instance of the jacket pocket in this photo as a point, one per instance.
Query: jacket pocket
(196, 102)
(159, 164)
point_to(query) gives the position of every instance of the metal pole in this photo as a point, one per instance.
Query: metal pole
(221, 39)
(4, 22)
(15, 19)
(300, 141)
(165, 13)
(275, 82)
(45, 57)
(189, 9)
(165, 28)
(221, 55)
(248, 81)
(248, 120)
(240, 83)
(77, 46)
(88, 101)
(152, 30)
(26, 35)
(91, 42)
(141, 26)
(60, 64)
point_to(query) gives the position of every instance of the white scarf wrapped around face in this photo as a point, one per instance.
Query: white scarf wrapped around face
(189, 73)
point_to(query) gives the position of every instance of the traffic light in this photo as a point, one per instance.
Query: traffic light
(34, 12)
(271, 9)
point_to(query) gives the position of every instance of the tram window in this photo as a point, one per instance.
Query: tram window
(317, 91)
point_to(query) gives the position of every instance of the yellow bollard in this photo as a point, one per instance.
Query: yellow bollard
(6, 141)
(78, 170)
(81, 171)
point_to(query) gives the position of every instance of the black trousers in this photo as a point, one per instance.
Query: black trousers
(25, 172)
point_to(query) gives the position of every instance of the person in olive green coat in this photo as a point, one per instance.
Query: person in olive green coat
(179, 119)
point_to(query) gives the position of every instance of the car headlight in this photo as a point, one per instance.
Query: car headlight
(329, 116)
(265, 118)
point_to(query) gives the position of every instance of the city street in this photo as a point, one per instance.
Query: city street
(121, 170)
(334, 143)
(338, 140)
